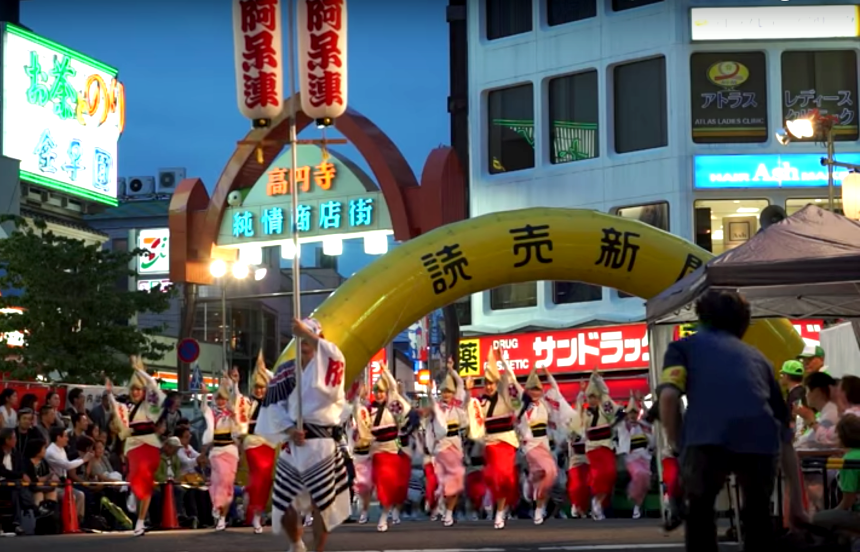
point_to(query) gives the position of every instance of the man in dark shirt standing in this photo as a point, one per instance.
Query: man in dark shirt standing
(736, 421)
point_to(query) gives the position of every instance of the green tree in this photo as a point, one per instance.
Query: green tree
(74, 310)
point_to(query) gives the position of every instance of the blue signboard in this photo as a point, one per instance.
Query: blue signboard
(792, 170)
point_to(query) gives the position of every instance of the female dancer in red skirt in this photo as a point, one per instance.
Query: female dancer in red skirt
(599, 419)
(388, 413)
(499, 407)
(259, 453)
(135, 424)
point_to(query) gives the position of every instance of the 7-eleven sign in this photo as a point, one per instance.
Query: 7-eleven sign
(156, 260)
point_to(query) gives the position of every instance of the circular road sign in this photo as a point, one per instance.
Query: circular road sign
(188, 350)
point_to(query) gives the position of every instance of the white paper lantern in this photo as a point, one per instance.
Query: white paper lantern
(258, 47)
(321, 28)
(851, 195)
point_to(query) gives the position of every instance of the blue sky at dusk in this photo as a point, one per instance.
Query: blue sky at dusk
(175, 58)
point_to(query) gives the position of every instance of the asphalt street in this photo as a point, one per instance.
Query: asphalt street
(554, 536)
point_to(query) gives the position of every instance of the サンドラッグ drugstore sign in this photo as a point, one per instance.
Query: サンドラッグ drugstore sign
(335, 198)
(63, 114)
(559, 351)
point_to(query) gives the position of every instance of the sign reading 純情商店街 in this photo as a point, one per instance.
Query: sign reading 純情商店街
(63, 114)
(793, 170)
(335, 198)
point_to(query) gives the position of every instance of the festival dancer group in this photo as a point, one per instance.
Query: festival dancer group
(467, 447)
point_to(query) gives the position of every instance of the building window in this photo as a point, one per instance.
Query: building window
(573, 116)
(794, 205)
(826, 81)
(508, 18)
(653, 214)
(621, 5)
(511, 132)
(724, 224)
(514, 296)
(559, 12)
(565, 293)
(729, 97)
(640, 105)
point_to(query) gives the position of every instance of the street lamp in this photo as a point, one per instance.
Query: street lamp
(818, 126)
(239, 270)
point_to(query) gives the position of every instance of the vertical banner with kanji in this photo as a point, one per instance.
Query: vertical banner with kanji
(258, 47)
(322, 57)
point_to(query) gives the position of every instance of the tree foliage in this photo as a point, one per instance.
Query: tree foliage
(75, 308)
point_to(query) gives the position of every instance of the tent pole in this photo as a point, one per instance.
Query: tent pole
(830, 152)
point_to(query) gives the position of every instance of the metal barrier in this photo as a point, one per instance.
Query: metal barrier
(19, 484)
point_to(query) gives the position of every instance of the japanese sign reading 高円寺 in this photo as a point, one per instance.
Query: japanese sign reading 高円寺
(334, 198)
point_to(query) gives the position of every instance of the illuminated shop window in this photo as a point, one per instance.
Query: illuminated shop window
(728, 97)
(511, 132)
(573, 116)
(559, 12)
(507, 17)
(794, 205)
(514, 296)
(826, 81)
(726, 223)
(621, 5)
(653, 214)
(640, 105)
(566, 293)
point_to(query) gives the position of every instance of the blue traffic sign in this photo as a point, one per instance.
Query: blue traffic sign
(188, 350)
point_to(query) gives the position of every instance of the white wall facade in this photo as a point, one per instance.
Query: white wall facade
(611, 180)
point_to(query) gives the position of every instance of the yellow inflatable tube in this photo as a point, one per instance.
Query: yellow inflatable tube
(481, 253)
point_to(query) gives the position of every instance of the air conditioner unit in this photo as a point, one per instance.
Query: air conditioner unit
(120, 187)
(140, 186)
(169, 179)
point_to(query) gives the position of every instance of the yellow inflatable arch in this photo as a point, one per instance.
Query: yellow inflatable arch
(481, 253)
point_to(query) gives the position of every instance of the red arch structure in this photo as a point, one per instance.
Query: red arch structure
(195, 217)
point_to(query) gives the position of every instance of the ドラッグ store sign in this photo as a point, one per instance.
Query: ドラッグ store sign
(606, 348)
(63, 113)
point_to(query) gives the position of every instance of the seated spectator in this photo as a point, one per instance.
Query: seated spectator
(78, 429)
(8, 405)
(100, 414)
(62, 467)
(197, 500)
(820, 427)
(25, 430)
(844, 517)
(94, 432)
(30, 401)
(45, 421)
(11, 469)
(848, 396)
(52, 399)
(38, 471)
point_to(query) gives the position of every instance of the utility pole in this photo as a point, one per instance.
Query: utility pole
(458, 108)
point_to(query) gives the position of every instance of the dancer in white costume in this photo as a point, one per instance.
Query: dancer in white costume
(448, 419)
(634, 442)
(311, 474)
(260, 454)
(222, 433)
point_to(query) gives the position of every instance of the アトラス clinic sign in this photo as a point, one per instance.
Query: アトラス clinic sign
(793, 170)
(63, 114)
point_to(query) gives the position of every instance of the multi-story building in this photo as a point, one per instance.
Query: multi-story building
(660, 110)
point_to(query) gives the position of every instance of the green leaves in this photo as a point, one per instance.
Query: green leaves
(75, 308)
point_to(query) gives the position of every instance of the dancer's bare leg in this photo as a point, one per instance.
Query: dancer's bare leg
(320, 534)
(292, 525)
